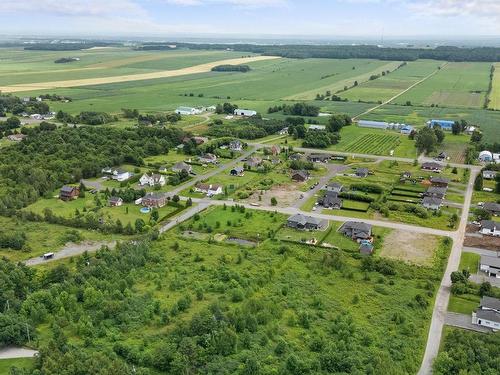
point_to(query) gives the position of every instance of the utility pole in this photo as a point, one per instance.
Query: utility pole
(28, 333)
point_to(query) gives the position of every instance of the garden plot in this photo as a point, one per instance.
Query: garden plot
(377, 144)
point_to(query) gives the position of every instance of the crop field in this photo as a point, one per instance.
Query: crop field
(495, 89)
(378, 144)
(387, 86)
(455, 85)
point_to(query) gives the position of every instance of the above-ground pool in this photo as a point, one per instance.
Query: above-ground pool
(145, 210)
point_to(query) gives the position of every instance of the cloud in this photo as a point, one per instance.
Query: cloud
(237, 3)
(457, 8)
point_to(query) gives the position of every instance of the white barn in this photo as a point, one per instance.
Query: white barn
(245, 112)
(187, 111)
(373, 124)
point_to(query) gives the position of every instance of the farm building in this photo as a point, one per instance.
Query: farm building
(245, 112)
(373, 124)
(68, 193)
(443, 124)
(490, 228)
(406, 129)
(302, 222)
(187, 111)
(489, 175)
(485, 156)
(490, 265)
(16, 137)
(488, 313)
(492, 207)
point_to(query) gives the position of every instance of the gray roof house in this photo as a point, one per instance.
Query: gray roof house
(489, 175)
(331, 200)
(432, 166)
(302, 222)
(439, 181)
(356, 230)
(432, 203)
(334, 187)
(300, 176)
(237, 171)
(254, 161)
(492, 207)
(319, 158)
(490, 265)
(490, 228)
(362, 172)
(488, 313)
(181, 166)
(436, 192)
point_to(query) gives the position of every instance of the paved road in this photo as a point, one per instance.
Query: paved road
(184, 216)
(443, 295)
(16, 352)
(70, 250)
(463, 321)
(480, 251)
(481, 277)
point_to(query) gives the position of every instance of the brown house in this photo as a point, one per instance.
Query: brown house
(68, 193)
(300, 176)
(156, 200)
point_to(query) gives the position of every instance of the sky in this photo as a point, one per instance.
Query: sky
(251, 18)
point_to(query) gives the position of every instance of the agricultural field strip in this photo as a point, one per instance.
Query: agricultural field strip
(374, 144)
(398, 95)
(495, 89)
(202, 68)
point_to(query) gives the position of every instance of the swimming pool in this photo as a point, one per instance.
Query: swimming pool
(145, 210)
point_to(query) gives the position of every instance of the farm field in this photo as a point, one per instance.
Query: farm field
(457, 84)
(385, 87)
(21, 363)
(495, 89)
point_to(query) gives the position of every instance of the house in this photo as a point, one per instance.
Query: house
(356, 230)
(275, 150)
(373, 124)
(181, 166)
(317, 127)
(331, 200)
(302, 222)
(115, 201)
(245, 112)
(432, 203)
(406, 129)
(68, 193)
(163, 169)
(489, 175)
(366, 248)
(334, 187)
(117, 174)
(443, 124)
(187, 111)
(490, 265)
(435, 192)
(439, 181)
(490, 228)
(36, 116)
(485, 156)
(492, 207)
(300, 176)
(442, 156)
(362, 172)
(432, 166)
(283, 131)
(295, 156)
(208, 159)
(254, 161)
(16, 137)
(235, 145)
(488, 313)
(405, 175)
(152, 180)
(237, 171)
(155, 199)
(470, 129)
(208, 189)
(318, 158)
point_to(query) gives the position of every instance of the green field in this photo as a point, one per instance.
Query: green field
(495, 89)
(7, 364)
(455, 85)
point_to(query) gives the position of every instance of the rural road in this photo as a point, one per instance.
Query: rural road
(202, 68)
(184, 216)
(15, 352)
(443, 294)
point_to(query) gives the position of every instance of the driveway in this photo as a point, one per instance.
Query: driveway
(463, 321)
(16, 352)
(184, 216)
(481, 277)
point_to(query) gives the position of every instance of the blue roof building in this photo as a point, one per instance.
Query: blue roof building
(406, 129)
(444, 124)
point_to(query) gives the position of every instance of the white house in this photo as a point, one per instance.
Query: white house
(187, 111)
(490, 228)
(245, 112)
(490, 265)
(488, 313)
(152, 180)
(117, 174)
(489, 175)
(208, 189)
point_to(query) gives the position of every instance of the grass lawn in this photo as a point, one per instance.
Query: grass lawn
(20, 363)
(469, 262)
(463, 304)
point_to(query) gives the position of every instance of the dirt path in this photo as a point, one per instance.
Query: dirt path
(16, 352)
(202, 68)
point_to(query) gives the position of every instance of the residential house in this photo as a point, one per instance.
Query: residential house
(300, 176)
(490, 265)
(490, 228)
(373, 124)
(152, 179)
(443, 124)
(181, 166)
(296, 156)
(275, 150)
(253, 161)
(435, 192)
(68, 192)
(117, 174)
(237, 171)
(115, 201)
(208, 189)
(488, 313)
(331, 200)
(316, 127)
(302, 222)
(245, 112)
(432, 166)
(235, 145)
(470, 129)
(356, 230)
(489, 175)
(362, 172)
(492, 207)
(439, 181)
(432, 203)
(284, 131)
(334, 187)
(16, 137)
(208, 159)
(154, 199)
(319, 158)
(187, 111)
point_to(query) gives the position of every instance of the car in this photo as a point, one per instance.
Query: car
(254, 204)
(476, 223)
(480, 204)
(314, 208)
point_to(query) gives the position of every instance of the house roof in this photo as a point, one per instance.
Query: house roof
(331, 199)
(181, 165)
(302, 174)
(319, 156)
(490, 303)
(491, 206)
(334, 185)
(358, 225)
(488, 172)
(440, 180)
(67, 189)
(491, 261)
(115, 199)
(432, 201)
(302, 219)
(488, 224)
(208, 156)
(362, 171)
(490, 315)
(120, 171)
(188, 109)
(238, 169)
(432, 165)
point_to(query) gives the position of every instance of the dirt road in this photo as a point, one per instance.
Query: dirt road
(15, 352)
(203, 68)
